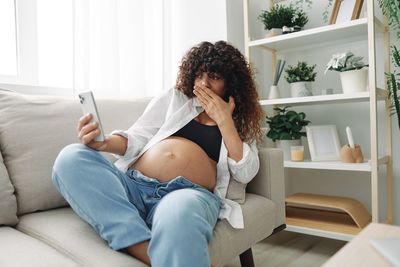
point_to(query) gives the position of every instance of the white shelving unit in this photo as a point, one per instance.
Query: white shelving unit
(360, 29)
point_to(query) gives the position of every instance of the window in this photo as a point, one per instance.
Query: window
(114, 48)
(36, 42)
(55, 43)
(8, 43)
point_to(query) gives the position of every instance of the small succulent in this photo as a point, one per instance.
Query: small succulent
(345, 62)
(300, 73)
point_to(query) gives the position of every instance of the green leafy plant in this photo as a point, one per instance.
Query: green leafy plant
(286, 124)
(345, 62)
(391, 9)
(325, 14)
(300, 19)
(299, 4)
(280, 15)
(300, 73)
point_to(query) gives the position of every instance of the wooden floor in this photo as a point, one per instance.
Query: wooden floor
(292, 249)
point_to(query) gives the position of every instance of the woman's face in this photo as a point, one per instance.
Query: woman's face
(211, 80)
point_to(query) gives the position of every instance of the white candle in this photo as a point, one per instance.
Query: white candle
(350, 137)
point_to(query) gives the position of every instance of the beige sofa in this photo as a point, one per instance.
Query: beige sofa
(37, 228)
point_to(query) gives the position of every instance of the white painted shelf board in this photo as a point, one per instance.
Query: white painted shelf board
(320, 36)
(324, 99)
(334, 165)
(328, 165)
(317, 232)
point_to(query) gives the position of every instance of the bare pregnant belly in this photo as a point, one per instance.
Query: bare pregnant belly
(177, 156)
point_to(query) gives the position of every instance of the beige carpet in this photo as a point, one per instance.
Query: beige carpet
(292, 249)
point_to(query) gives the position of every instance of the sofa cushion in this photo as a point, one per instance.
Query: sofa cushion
(259, 222)
(33, 129)
(64, 230)
(21, 250)
(236, 191)
(8, 202)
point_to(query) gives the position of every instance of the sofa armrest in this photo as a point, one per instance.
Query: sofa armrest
(270, 181)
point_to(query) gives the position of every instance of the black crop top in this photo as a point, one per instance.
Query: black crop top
(206, 136)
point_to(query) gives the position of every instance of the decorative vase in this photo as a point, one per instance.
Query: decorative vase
(354, 81)
(300, 89)
(273, 32)
(285, 145)
(274, 92)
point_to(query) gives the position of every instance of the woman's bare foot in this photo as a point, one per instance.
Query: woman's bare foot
(139, 251)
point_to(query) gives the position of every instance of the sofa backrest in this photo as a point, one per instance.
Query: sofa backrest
(8, 202)
(33, 129)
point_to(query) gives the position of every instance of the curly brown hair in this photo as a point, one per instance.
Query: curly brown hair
(228, 62)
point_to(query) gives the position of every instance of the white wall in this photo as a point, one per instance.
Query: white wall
(188, 23)
(351, 184)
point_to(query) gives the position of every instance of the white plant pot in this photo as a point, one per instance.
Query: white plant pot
(274, 92)
(354, 81)
(285, 145)
(273, 32)
(300, 89)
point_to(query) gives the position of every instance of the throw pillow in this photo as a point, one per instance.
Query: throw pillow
(236, 191)
(8, 202)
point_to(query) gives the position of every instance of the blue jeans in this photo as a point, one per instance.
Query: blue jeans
(178, 217)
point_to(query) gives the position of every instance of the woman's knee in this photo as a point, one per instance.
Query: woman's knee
(70, 160)
(183, 211)
(69, 156)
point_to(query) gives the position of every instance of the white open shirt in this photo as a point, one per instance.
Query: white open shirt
(167, 114)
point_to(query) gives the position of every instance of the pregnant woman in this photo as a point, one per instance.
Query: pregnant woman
(161, 199)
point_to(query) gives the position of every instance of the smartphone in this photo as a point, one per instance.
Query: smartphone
(89, 106)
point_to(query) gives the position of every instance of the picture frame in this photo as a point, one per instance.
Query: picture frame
(323, 142)
(346, 10)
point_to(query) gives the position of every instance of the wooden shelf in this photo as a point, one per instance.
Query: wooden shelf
(322, 220)
(326, 213)
(318, 37)
(325, 99)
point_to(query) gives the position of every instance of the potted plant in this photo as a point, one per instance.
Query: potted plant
(301, 4)
(300, 77)
(392, 11)
(353, 74)
(279, 16)
(285, 128)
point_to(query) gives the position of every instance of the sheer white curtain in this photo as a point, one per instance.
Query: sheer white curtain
(118, 47)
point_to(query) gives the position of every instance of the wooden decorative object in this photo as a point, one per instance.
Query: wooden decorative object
(329, 213)
(351, 155)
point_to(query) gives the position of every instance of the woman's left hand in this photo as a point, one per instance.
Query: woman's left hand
(215, 107)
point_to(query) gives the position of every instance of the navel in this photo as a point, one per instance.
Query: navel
(170, 155)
